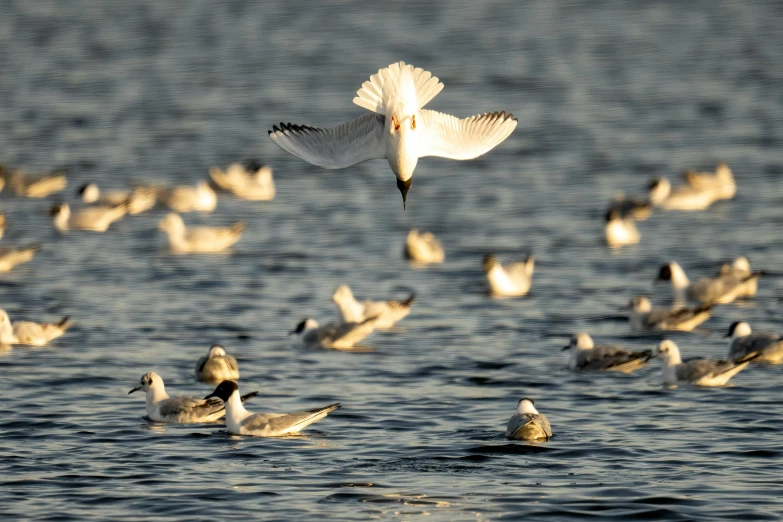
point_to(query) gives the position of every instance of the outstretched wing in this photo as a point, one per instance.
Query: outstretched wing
(446, 136)
(352, 142)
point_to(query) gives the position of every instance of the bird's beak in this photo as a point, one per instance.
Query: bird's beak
(137, 388)
(404, 187)
(292, 332)
(726, 336)
(210, 396)
(566, 348)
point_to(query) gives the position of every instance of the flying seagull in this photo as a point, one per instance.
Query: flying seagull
(398, 130)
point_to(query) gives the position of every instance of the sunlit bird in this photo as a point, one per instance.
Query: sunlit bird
(138, 200)
(339, 336)
(684, 197)
(586, 356)
(29, 332)
(528, 424)
(12, 256)
(251, 181)
(740, 269)
(35, 186)
(719, 290)
(398, 130)
(239, 421)
(620, 231)
(200, 198)
(698, 371)
(94, 218)
(743, 342)
(423, 247)
(512, 280)
(645, 318)
(217, 366)
(199, 240)
(721, 182)
(386, 312)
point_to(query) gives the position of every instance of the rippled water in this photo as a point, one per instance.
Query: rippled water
(607, 95)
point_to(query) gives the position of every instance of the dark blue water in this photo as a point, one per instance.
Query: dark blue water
(608, 94)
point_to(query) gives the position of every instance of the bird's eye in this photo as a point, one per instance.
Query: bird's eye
(413, 122)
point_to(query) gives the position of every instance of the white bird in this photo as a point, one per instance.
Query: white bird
(217, 366)
(740, 269)
(182, 409)
(620, 231)
(12, 256)
(721, 182)
(39, 186)
(527, 423)
(645, 318)
(138, 200)
(698, 371)
(343, 336)
(202, 240)
(189, 199)
(239, 421)
(512, 280)
(423, 247)
(585, 356)
(251, 181)
(721, 290)
(398, 130)
(743, 343)
(682, 198)
(95, 218)
(29, 332)
(386, 312)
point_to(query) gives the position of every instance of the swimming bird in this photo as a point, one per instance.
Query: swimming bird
(720, 290)
(189, 199)
(638, 209)
(251, 181)
(740, 269)
(202, 240)
(239, 421)
(12, 256)
(620, 231)
(217, 366)
(39, 186)
(398, 129)
(139, 199)
(743, 342)
(527, 423)
(423, 247)
(698, 371)
(340, 336)
(644, 317)
(96, 218)
(585, 356)
(512, 280)
(681, 198)
(182, 409)
(29, 332)
(386, 312)
(721, 182)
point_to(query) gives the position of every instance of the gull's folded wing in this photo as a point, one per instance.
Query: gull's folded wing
(449, 137)
(354, 141)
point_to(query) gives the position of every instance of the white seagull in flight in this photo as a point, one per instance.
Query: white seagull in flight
(398, 129)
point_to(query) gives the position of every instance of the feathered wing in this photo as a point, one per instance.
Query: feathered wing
(446, 136)
(352, 142)
(399, 85)
(276, 424)
(190, 406)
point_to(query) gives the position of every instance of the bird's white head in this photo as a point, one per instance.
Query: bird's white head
(216, 351)
(343, 294)
(172, 224)
(402, 148)
(90, 193)
(659, 190)
(738, 329)
(527, 406)
(640, 304)
(581, 341)
(669, 353)
(148, 381)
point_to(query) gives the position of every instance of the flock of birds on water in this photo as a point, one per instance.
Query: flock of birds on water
(398, 129)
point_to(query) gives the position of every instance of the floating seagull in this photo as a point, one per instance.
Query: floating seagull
(527, 423)
(216, 366)
(30, 333)
(190, 199)
(620, 231)
(698, 371)
(721, 290)
(423, 247)
(645, 318)
(398, 129)
(386, 312)
(93, 218)
(36, 186)
(585, 356)
(512, 280)
(638, 209)
(740, 269)
(743, 343)
(251, 181)
(682, 198)
(721, 182)
(199, 239)
(182, 409)
(239, 421)
(138, 200)
(12, 256)
(342, 336)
